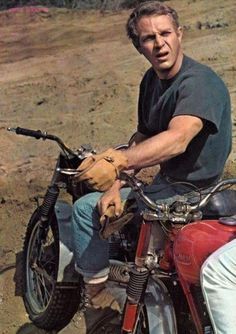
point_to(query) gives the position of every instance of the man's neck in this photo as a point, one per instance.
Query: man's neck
(170, 73)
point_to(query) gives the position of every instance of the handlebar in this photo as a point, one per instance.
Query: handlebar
(218, 186)
(38, 134)
(134, 183)
(27, 132)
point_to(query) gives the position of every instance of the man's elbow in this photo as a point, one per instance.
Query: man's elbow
(181, 143)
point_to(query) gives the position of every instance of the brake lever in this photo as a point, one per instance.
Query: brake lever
(67, 171)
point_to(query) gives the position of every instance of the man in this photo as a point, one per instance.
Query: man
(218, 280)
(184, 125)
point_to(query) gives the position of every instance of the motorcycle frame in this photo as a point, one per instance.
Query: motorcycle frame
(192, 305)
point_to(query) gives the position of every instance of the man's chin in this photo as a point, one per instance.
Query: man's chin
(163, 69)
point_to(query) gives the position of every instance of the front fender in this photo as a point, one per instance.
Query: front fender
(66, 268)
(160, 309)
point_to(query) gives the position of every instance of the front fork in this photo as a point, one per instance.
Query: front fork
(138, 281)
(46, 210)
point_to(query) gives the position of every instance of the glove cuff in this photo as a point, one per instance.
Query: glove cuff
(116, 158)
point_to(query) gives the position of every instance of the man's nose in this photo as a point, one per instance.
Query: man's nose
(159, 41)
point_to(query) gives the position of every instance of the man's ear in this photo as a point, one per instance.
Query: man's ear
(180, 33)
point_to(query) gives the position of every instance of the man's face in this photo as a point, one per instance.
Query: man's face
(160, 43)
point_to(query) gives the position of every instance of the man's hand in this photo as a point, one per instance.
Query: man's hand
(114, 212)
(101, 170)
(110, 205)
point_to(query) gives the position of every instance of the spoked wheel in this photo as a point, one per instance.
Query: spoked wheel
(49, 306)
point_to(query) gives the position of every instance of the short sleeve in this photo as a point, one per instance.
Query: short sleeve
(202, 94)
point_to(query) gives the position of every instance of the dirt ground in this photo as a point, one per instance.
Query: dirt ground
(76, 75)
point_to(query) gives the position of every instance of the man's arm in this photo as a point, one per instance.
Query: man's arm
(147, 152)
(101, 171)
(137, 138)
(166, 145)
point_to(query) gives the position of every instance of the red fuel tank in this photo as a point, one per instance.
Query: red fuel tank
(195, 242)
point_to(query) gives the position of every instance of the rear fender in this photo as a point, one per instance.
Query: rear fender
(160, 309)
(66, 270)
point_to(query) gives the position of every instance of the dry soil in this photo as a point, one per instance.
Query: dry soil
(75, 74)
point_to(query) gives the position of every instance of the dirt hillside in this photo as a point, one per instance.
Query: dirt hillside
(75, 74)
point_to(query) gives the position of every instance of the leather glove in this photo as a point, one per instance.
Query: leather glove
(110, 214)
(100, 171)
(110, 223)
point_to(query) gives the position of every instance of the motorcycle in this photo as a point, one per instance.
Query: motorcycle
(155, 257)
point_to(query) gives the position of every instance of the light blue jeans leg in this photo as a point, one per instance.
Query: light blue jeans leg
(218, 280)
(92, 253)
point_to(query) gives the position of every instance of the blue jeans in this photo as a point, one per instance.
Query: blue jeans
(218, 280)
(90, 251)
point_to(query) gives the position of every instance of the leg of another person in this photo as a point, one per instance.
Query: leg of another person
(218, 280)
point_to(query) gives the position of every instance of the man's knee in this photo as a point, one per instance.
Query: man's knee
(207, 274)
(86, 203)
(218, 267)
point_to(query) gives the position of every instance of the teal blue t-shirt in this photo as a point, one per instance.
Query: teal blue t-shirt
(196, 90)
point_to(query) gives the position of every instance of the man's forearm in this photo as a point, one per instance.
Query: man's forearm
(151, 152)
(165, 145)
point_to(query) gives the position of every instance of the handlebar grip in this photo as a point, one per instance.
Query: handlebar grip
(31, 133)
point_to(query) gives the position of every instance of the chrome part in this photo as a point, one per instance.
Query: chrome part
(67, 171)
(119, 271)
(150, 215)
(180, 211)
(230, 221)
(156, 245)
(151, 261)
(136, 186)
(11, 129)
(122, 147)
(160, 309)
(221, 184)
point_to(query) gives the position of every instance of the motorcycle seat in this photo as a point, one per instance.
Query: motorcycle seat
(222, 204)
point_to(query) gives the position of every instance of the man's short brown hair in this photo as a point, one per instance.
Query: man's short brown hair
(149, 8)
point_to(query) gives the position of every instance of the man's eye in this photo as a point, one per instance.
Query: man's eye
(148, 38)
(165, 33)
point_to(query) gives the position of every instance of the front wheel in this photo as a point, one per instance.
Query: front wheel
(49, 305)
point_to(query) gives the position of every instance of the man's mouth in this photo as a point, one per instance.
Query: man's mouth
(161, 55)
